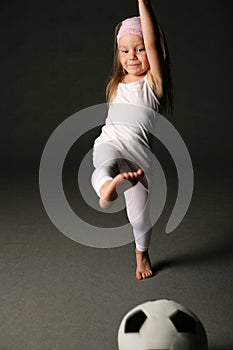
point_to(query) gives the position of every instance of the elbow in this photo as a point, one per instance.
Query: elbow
(151, 44)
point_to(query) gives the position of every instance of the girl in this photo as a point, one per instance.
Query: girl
(136, 92)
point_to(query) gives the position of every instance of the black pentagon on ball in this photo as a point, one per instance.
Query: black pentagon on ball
(134, 322)
(183, 322)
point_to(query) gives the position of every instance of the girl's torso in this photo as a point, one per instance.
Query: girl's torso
(137, 92)
(132, 114)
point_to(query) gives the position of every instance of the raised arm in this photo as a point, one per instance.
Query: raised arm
(152, 43)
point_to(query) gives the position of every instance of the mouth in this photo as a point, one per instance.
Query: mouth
(133, 65)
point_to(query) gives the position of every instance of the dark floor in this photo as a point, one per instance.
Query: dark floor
(57, 294)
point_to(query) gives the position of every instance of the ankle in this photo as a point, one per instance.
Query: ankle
(139, 252)
(103, 187)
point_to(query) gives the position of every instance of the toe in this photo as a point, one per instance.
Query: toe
(139, 172)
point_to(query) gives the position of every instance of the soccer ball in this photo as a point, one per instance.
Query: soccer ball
(161, 325)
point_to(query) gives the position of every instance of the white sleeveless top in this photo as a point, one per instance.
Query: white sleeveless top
(138, 92)
(132, 114)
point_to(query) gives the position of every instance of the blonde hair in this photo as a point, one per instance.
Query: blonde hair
(119, 73)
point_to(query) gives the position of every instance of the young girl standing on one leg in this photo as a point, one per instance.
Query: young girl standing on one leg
(137, 90)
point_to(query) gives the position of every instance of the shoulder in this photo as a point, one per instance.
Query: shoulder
(156, 85)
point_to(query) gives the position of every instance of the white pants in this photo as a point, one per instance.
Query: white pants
(108, 162)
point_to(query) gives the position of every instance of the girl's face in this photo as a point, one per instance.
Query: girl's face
(132, 54)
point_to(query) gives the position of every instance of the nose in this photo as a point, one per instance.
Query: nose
(132, 55)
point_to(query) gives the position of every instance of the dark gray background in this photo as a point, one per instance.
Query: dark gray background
(57, 56)
(55, 60)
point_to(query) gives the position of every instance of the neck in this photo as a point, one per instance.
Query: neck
(131, 78)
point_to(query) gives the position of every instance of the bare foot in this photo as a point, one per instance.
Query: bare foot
(143, 265)
(108, 192)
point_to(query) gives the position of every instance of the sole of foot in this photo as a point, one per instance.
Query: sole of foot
(120, 183)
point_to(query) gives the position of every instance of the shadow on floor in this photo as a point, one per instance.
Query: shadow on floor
(221, 347)
(211, 253)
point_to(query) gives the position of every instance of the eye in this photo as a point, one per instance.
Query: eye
(140, 49)
(124, 51)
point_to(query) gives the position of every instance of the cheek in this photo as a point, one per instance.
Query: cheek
(122, 59)
(124, 63)
(144, 59)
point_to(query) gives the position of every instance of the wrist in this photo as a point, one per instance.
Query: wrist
(144, 2)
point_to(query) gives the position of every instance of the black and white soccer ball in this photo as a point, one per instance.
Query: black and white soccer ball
(161, 325)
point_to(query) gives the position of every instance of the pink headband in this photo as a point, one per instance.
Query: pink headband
(130, 26)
